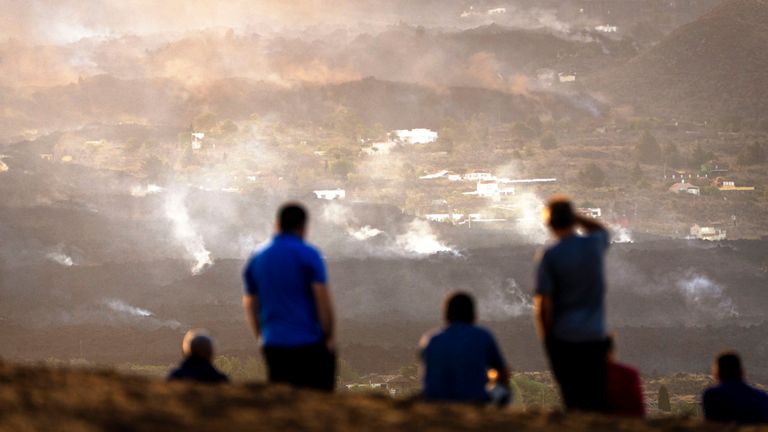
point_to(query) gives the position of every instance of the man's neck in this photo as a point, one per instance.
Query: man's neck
(564, 233)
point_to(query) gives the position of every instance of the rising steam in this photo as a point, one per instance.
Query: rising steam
(706, 296)
(421, 240)
(184, 231)
(120, 306)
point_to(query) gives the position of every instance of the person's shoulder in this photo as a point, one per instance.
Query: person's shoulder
(260, 249)
(482, 333)
(176, 374)
(758, 393)
(311, 251)
(601, 236)
(711, 392)
(430, 336)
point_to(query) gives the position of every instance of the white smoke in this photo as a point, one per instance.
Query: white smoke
(706, 296)
(340, 215)
(250, 243)
(621, 235)
(120, 306)
(421, 240)
(530, 222)
(185, 233)
(418, 238)
(61, 258)
(137, 312)
(364, 233)
(507, 301)
(142, 191)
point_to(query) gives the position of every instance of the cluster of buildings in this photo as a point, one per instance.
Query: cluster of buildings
(392, 385)
(487, 185)
(684, 180)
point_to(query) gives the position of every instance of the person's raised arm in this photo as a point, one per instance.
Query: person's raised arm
(251, 306)
(542, 309)
(589, 224)
(325, 313)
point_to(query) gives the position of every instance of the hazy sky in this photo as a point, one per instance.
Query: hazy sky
(62, 21)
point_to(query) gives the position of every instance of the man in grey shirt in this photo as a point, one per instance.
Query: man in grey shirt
(570, 306)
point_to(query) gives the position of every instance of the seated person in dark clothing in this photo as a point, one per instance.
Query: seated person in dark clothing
(732, 400)
(458, 357)
(625, 392)
(196, 366)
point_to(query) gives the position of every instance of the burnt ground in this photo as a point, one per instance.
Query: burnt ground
(673, 304)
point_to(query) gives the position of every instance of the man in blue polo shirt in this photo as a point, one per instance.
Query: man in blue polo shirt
(288, 305)
(570, 306)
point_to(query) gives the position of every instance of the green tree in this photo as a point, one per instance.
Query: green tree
(591, 176)
(699, 157)
(751, 154)
(154, 168)
(205, 121)
(523, 131)
(548, 141)
(672, 155)
(342, 168)
(663, 399)
(648, 149)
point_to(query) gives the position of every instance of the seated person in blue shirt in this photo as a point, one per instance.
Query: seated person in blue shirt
(197, 347)
(288, 305)
(458, 357)
(732, 400)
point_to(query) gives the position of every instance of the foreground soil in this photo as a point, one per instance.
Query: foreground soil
(37, 398)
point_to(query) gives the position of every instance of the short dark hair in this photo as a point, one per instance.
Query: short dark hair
(459, 307)
(561, 213)
(292, 217)
(729, 366)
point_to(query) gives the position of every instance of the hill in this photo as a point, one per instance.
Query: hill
(37, 398)
(712, 68)
(108, 99)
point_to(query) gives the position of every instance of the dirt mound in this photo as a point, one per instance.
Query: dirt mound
(712, 68)
(33, 398)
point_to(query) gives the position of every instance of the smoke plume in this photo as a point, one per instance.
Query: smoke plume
(185, 232)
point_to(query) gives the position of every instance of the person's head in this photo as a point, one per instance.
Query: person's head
(197, 343)
(459, 308)
(727, 367)
(560, 216)
(292, 219)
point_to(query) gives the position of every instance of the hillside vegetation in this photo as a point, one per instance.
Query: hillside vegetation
(34, 398)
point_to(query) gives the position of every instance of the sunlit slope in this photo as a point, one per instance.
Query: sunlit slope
(714, 67)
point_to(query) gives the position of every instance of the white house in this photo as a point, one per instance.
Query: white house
(595, 212)
(685, 188)
(707, 233)
(197, 140)
(330, 194)
(444, 217)
(415, 136)
(478, 176)
(488, 188)
(566, 77)
(491, 189)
